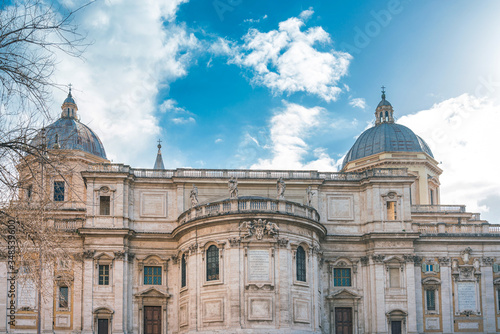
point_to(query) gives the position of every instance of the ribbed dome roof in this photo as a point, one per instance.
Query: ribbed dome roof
(386, 137)
(70, 134)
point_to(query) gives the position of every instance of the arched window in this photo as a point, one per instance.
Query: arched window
(381, 117)
(386, 116)
(300, 259)
(183, 270)
(212, 263)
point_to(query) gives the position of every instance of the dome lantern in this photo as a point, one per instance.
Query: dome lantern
(384, 112)
(69, 107)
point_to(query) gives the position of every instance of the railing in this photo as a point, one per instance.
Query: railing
(247, 173)
(68, 225)
(438, 208)
(235, 206)
(442, 228)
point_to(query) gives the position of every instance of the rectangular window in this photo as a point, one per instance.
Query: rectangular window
(104, 274)
(429, 267)
(59, 191)
(152, 275)
(432, 197)
(394, 276)
(342, 277)
(391, 211)
(430, 296)
(63, 297)
(29, 192)
(104, 205)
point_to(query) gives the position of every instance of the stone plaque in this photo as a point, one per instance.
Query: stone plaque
(340, 207)
(154, 205)
(468, 325)
(258, 265)
(432, 323)
(466, 296)
(26, 293)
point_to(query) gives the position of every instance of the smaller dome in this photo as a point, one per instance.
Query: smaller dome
(384, 102)
(69, 99)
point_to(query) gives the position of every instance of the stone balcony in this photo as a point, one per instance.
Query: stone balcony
(250, 204)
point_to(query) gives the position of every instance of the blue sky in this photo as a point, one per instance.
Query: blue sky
(274, 84)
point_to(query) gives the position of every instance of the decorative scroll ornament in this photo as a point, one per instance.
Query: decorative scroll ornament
(119, 255)
(234, 242)
(89, 254)
(378, 258)
(259, 227)
(444, 261)
(488, 261)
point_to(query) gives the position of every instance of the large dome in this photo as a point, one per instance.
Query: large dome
(69, 134)
(386, 136)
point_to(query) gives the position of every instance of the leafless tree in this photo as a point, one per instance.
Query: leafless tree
(32, 33)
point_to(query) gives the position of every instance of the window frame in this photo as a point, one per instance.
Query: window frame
(108, 276)
(183, 271)
(301, 265)
(204, 252)
(209, 258)
(341, 277)
(59, 307)
(57, 187)
(156, 272)
(101, 197)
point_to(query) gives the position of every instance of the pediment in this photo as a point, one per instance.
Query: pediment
(344, 294)
(152, 293)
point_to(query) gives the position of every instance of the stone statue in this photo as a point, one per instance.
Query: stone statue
(194, 196)
(233, 187)
(310, 195)
(280, 187)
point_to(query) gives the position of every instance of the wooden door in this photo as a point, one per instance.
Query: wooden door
(152, 319)
(343, 320)
(102, 326)
(395, 327)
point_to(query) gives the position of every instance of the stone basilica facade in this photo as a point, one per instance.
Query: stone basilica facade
(370, 249)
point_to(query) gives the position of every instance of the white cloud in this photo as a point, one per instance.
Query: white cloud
(219, 140)
(287, 60)
(358, 103)
(183, 120)
(176, 114)
(289, 129)
(137, 49)
(463, 134)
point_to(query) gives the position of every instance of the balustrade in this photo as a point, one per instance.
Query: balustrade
(241, 205)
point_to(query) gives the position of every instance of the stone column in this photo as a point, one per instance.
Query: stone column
(119, 275)
(488, 295)
(446, 295)
(410, 293)
(48, 302)
(418, 294)
(87, 293)
(235, 281)
(379, 294)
